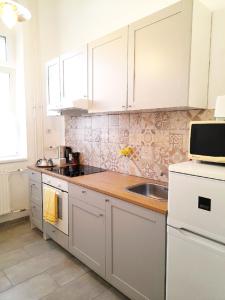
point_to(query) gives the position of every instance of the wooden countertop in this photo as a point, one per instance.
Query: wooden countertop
(114, 184)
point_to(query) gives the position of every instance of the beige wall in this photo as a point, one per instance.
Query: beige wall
(66, 24)
(32, 82)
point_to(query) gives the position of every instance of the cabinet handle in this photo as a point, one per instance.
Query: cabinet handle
(106, 200)
(130, 106)
(53, 231)
(123, 106)
(33, 184)
(34, 207)
(83, 192)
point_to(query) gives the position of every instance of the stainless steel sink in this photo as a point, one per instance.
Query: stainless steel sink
(150, 190)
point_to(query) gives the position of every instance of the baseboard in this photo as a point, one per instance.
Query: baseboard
(14, 216)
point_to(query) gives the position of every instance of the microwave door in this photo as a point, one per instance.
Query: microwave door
(207, 141)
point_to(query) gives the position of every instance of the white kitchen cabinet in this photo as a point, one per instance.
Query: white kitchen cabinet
(122, 242)
(53, 85)
(107, 72)
(73, 70)
(168, 60)
(135, 247)
(35, 195)
(67, 82)
(87, 233)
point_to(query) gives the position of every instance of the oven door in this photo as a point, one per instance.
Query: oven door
(62, 223)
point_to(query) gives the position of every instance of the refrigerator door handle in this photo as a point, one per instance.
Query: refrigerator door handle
(199, 239)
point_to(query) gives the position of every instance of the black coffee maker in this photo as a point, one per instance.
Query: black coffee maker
(68, 151)
(74, 158)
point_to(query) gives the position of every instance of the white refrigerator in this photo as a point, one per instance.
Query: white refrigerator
(196, 232)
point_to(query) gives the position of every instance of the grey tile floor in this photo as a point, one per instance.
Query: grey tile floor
(32, 269)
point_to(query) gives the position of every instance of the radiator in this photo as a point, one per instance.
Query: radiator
(5, 203)
(5, 195)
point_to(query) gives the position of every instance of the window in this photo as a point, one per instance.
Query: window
(12, 126)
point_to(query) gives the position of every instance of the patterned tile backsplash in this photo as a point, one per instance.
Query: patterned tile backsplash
(158, 139)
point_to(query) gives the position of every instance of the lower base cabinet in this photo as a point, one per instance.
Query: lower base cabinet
(135, 250)
(122, 242)
(87, 234)
(35, 194)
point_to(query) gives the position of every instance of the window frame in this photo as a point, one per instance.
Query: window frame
(9, 67)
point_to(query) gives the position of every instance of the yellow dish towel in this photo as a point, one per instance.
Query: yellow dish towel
(50, 206)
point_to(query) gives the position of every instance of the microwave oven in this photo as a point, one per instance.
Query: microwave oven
(207, 141)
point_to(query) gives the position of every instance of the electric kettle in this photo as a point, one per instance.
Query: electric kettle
(44, 163)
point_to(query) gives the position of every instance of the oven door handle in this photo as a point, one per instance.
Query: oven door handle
(61, 196)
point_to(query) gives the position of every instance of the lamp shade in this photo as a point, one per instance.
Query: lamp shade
(12, 12)
(220, 107)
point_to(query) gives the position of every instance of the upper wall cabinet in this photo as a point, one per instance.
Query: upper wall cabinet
(107, 68)
(67, 81)
(73, 69)
(53, 85)
(168, 58)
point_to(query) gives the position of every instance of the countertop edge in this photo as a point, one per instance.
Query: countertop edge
(103, 191)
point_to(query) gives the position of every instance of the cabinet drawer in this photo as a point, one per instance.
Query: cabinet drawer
(36, 211)
(35, 176)
(37, 223)
(36, 215)
(88, 196)
(58, 236)
(36, 192)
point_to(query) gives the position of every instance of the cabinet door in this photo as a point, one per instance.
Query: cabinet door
(159, 59)
(107, 80)
(135, 262)
(35, 202)
(53, 85)
(87, 234)
(36, 215)
(73, 70)
(36, 192)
